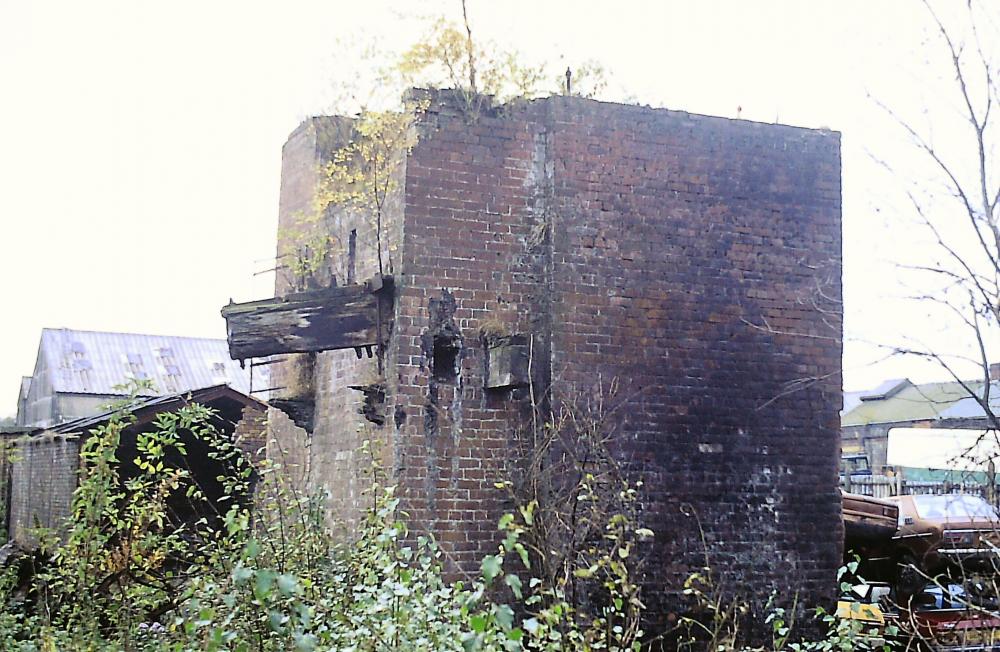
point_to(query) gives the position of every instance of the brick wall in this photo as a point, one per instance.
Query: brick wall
(694, 261)
(250, 433)
(469, 262)
(43, 478)
(327, 460)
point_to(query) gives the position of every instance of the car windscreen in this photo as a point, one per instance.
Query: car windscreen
(956, 507)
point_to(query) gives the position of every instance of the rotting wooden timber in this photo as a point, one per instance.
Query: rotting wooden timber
(318, 320)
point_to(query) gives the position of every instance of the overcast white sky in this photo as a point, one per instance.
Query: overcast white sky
(140, 142)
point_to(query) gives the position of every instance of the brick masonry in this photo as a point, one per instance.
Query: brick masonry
(44, 472)
(250, 433)
(43, 478)
(692, 260)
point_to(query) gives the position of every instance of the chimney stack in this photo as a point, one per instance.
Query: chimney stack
(995, 371)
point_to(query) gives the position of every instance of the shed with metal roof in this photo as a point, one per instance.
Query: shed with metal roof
(78, 372)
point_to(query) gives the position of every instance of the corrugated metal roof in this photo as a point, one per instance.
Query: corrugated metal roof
(913, 403)
(851, 401)
(90, 362)
(205, 396)
(969, 408)
(16, 430)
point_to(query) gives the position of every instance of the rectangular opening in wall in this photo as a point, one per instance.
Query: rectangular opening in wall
(445, 362)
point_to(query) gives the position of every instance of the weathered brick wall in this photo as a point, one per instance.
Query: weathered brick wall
(327, 459)
(696, 259)
(250, 433)
(470, 267)
(302, 156)
(43, 478)
(693, 260)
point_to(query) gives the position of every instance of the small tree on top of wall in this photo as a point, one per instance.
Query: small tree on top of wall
(360, 176)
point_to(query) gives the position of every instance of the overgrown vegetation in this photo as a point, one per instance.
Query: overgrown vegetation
(131, 573)
(360, 176)
(148, 563)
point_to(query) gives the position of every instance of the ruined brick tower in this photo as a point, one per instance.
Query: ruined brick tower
(693, 259)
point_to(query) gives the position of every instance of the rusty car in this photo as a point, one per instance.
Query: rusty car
(943, 533)
(869, 527)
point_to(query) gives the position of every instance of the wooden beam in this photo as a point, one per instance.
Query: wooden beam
(319, 320)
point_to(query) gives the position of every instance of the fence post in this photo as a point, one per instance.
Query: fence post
(991, 483)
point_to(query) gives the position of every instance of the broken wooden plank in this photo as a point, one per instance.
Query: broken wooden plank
(319, 320)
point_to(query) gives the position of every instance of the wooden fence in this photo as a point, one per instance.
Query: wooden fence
(881, 486)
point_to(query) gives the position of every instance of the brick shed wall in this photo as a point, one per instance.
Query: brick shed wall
(250, 433)
(43, 478)
(695, 260)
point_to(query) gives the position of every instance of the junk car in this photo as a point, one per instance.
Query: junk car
(938, 531)
(946, 617)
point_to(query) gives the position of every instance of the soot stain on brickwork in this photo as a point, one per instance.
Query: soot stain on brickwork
(442, 347)
(373, 405)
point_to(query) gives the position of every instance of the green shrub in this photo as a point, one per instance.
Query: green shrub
(268, 574)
